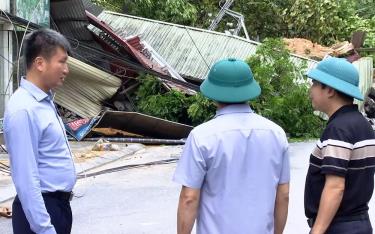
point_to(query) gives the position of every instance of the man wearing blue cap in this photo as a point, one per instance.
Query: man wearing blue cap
(340, 178)
(234, 169)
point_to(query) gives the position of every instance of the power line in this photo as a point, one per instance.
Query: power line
(127, 167)
(195, 45)
(7, 60)
(14, 27)
(17, 50)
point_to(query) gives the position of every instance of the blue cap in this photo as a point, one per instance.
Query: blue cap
(338, 74)
(230, 81)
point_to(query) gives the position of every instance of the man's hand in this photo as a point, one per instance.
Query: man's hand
(329, 203)
(187, 209)
(281, 207)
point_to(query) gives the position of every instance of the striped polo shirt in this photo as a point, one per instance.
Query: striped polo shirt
(346, 148)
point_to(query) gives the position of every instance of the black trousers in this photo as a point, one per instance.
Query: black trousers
(362, 226)
(352, 227)
(58, 209)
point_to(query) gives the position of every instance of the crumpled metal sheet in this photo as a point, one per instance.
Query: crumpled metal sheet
(85, 89)
(366, 74)
(144, 125)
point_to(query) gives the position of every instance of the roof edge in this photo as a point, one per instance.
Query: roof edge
(200, 30)
(181, 26)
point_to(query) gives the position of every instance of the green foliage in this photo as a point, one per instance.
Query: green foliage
(324, 21)
(284, 97)
(171, 106)
(110, 5)
(293, 112)
(264, 18)
(149, 85)
(176, 11)
(365, 8)
(206, 12)
(366, 25)
(152, 99)
(201, 109)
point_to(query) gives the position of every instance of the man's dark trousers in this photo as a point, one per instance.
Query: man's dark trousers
(58, 208)
(350, 227)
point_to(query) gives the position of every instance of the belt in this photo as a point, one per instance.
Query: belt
(60, 195)
(365, 216)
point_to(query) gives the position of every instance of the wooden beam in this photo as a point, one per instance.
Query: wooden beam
(365, 49)
(358, 38)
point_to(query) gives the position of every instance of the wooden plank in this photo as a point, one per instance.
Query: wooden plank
(365, 49)
(358, 38)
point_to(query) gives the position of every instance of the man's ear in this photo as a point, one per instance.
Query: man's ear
(40, 64)
(331, 92)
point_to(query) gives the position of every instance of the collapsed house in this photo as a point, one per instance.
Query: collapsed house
(110, 50)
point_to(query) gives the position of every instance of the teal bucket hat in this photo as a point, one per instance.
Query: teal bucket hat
(230, 81)
(338, 74)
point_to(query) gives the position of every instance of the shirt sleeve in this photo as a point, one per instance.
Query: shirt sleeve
(191, 168)
(285, 170)
(336, 152)
(21, 138)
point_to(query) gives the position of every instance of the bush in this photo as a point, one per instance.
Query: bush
(171, 105)
(149, 85)
(284, 97)
(201, 109)
(153, 99)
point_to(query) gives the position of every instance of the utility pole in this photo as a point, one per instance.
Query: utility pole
(225, 9)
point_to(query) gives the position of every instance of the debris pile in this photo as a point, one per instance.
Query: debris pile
(104, 145)
(307, 48)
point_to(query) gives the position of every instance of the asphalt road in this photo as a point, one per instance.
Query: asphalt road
(144, 200)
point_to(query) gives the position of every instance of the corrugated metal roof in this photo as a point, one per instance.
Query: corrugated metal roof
(366, 73)
(72, 20)
(72, 23)
(92, 8)
(176, 43)
(85, 88)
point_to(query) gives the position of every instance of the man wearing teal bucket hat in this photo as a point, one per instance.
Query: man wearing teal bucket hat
(340, 178)
(234, 169)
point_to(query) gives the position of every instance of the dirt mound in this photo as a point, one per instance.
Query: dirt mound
(315, 51)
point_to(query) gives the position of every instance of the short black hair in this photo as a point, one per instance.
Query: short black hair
(43, 42)
(342, 95)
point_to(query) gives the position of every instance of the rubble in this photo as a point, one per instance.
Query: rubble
(115, 132)
(104, 145)
(307, 48)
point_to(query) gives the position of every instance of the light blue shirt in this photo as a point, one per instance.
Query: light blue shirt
(40, 157)
(237, 160)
